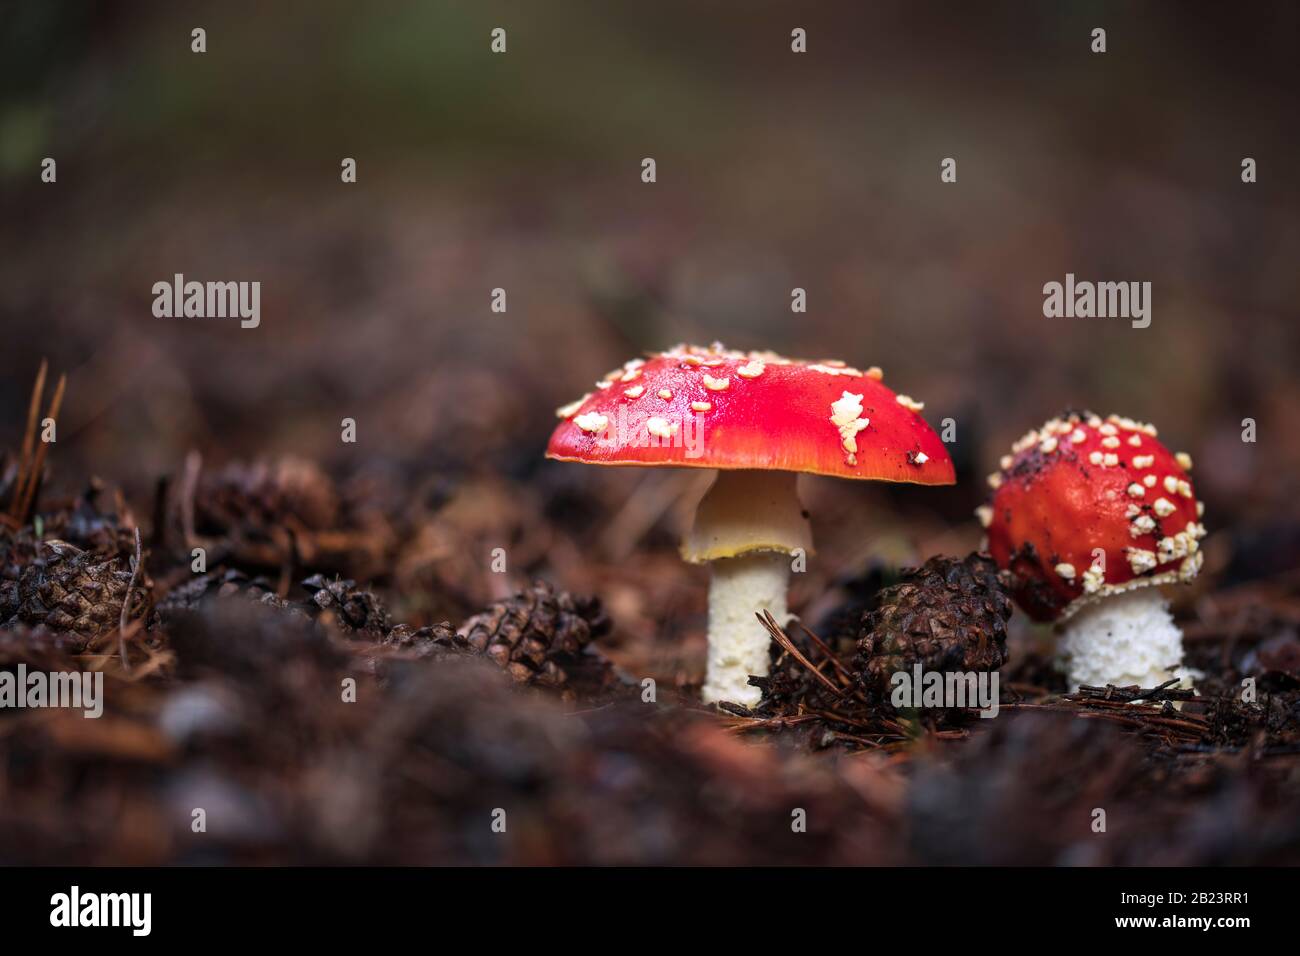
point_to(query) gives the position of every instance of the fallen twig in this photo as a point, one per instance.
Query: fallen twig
(136, 562)
(778, 635)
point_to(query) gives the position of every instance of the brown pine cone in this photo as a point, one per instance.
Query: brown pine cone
(354, 608)
(194, 592)
(533, 634)
(258, 497)
(68, 589)
(16, 552)
(425, 641)
(38, 648)
(95, 521)
(947, 615)
(81, 523)
(338, 602)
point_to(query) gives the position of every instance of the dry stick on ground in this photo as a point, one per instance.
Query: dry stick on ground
(189, 485)
(136, 562)
(745, 724)
(1145, 713)
(33, 410)
(830, 655)
(1166, 691)
(32, 461)
(29, 438)
(34, 479)
(1187, 728)
(778, 635)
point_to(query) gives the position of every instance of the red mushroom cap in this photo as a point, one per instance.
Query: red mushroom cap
(1079, 484)
(719, 408)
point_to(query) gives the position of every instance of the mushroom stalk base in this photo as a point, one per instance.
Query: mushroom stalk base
(738, 643)
(1124, 639)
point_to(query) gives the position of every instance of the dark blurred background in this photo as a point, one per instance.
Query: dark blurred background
(775, 170)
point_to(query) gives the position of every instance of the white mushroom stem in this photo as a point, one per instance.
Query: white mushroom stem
(751, 527)
(738, 643)
(1123, 639)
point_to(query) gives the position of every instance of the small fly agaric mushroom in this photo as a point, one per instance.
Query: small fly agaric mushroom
(1085, 516)
(758, 419)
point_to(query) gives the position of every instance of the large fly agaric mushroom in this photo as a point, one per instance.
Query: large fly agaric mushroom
(1086, 515)
(759, 419)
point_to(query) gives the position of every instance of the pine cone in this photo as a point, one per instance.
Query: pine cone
(17, 551)
(103, 535)
(68, 589)
(39, 648)
(354, 609)
(220, 583)
(532, 634)
(947, 615)
(424, 639)
(106, 530)
(256, 498)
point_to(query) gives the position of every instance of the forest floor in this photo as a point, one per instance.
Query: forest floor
(300, 700)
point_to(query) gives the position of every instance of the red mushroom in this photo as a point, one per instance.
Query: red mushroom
(1085, 516)
(758, 419)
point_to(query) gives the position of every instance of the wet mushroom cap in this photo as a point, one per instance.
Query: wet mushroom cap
(1080, 483)
(753, 410)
